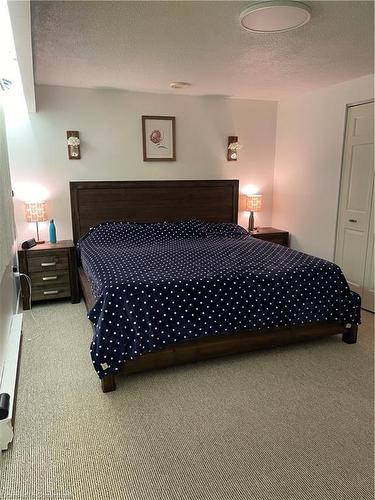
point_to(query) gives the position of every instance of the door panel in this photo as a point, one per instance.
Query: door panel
(360, 177)
(352, 242)
(363, 125)
(368, 295)
(356, 191)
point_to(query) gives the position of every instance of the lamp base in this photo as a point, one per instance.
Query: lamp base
(38, 241)
(251, 222)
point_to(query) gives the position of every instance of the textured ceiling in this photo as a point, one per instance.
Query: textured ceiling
(144, 45)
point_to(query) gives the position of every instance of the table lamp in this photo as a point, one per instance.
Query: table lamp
(253, 204)
(36, 212)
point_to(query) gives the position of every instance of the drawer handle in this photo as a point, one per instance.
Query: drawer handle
(51, 292)
(353, 220)
(49, 278)
(48, 264)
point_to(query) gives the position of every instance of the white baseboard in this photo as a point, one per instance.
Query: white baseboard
(9, 379)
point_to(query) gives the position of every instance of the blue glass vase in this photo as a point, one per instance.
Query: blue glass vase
(52, 232)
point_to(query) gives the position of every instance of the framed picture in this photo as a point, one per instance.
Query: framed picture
(159, 138)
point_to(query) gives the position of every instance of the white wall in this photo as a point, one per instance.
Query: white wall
(8, 296)
(111, 145)
(310, 133)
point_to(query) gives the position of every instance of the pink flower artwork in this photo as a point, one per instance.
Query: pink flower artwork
(156, 137)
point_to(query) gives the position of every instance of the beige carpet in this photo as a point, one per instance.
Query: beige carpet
(291, 423)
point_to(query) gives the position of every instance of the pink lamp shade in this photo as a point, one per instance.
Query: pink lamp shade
(36, 212)
(254, 202)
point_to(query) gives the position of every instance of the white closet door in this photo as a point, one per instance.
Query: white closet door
(368, 295)
(356, 195)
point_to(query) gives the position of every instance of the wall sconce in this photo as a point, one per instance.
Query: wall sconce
(74, 149)
(233, 148)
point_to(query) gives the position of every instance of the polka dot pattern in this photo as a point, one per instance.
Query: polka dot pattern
(165, 283)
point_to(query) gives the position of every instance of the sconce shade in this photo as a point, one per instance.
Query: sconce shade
(74, 145)
(36, 211)
(233, 147)
(254, 202)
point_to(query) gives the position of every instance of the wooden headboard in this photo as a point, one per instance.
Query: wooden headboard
(93, 202)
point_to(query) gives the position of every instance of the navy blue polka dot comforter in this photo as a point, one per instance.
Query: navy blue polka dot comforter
(164, 283)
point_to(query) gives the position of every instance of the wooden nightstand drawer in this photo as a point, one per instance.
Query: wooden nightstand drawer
(50, 278)
(51, 292)
(40, 261)
(52, 268)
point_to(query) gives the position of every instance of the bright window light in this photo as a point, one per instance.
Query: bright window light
(13, 99)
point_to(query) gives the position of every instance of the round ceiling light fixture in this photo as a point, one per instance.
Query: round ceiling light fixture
(179, 85)
(275, 16)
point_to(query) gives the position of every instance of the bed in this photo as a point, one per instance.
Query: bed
(169, 278)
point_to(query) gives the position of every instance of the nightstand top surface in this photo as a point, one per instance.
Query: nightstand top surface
(50, 246)
(267, 230)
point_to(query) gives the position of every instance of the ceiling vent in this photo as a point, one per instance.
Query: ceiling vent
(179, 85)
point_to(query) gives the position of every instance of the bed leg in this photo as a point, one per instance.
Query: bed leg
(350, 335)
(108, 383)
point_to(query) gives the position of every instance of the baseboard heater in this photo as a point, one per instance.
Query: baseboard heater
(9, 382)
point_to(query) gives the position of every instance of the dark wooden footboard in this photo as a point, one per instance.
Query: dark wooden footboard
(224, 345)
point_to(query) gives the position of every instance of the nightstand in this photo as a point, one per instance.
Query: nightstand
(271, 234)
(52, 269)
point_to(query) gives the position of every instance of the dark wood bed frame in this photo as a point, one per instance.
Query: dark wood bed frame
(94, 202)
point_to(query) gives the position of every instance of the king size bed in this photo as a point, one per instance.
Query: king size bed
(169, 277)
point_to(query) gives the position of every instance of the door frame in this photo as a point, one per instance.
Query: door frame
(347, 107)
